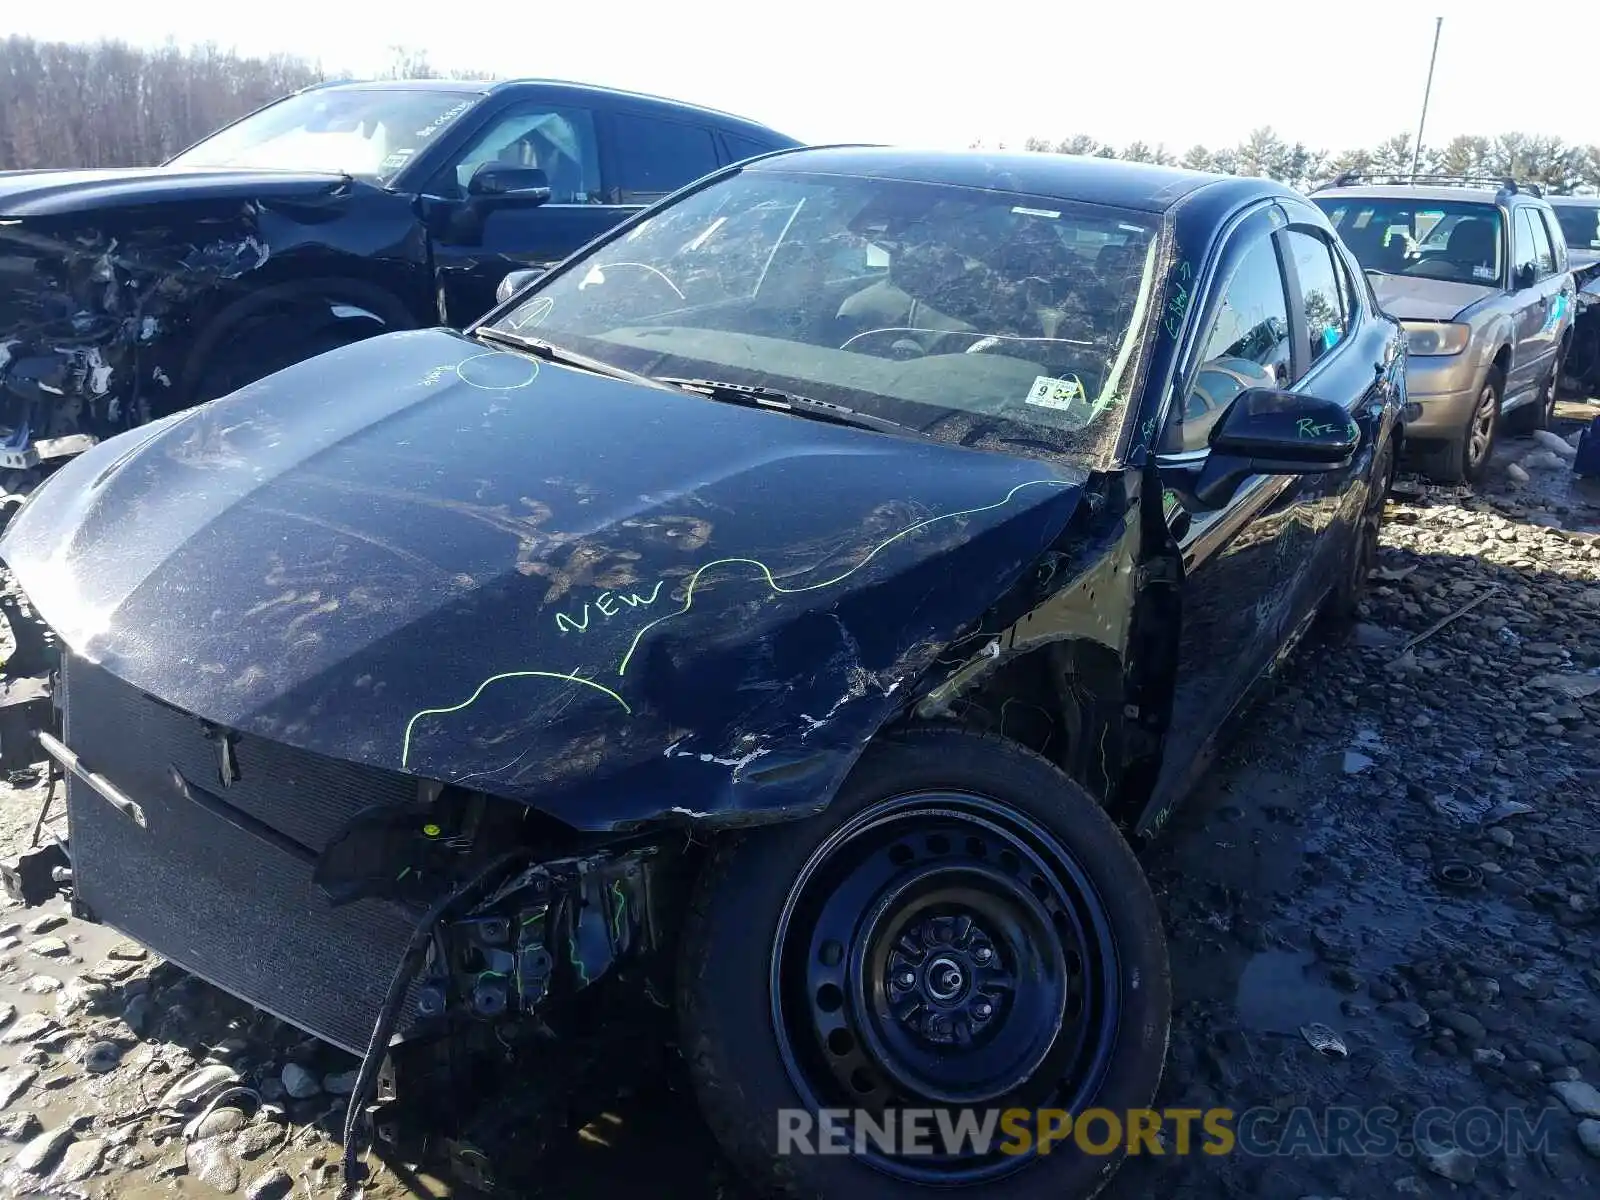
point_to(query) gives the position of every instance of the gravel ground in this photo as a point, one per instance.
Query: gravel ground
(1403, 846)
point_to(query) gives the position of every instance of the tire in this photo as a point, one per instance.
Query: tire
(1342, 603)
(1541, 414)
(946, 806)
(1466, 457)
(280, 326)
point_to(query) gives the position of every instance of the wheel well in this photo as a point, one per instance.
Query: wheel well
(1502, 361)
(1048, 699)
(391, 312)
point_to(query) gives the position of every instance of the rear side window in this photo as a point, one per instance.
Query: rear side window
(1321, 298)
(656, 158)
(1543, 246)
(741, 148)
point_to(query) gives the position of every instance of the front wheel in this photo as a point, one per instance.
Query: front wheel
(1466, 457)
(961, 942)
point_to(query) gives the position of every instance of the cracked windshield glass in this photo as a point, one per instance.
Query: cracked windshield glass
(967, 315)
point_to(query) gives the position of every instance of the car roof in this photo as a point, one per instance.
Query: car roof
(1067, 177)
(575, 90)
(1430, 195)
(1574, 201)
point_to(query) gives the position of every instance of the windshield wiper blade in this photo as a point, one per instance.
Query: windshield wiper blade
(757, 396)
(549, 352)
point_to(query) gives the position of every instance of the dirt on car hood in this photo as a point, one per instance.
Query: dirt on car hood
(1413, 299)
(609, 600)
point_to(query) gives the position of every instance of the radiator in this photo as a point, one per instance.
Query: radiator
(227, 906)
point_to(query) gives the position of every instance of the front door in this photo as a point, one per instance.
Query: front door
(471, 256)
(1235, 557)
(1287, 315)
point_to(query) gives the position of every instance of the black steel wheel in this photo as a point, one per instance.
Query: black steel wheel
(963, 930)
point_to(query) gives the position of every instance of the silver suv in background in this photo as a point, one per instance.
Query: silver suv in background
(1479, 277)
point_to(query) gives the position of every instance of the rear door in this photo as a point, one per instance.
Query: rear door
(1557, 292)
(1531, 256)
(648, 156)
(1346, 359)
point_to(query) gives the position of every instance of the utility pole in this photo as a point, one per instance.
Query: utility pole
(1427, 90)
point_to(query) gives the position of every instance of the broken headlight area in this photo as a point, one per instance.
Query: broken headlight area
(448, 937)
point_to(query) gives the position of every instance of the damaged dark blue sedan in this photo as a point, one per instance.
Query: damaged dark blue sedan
(787, 613)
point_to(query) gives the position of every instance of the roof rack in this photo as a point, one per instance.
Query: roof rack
(1507, 185)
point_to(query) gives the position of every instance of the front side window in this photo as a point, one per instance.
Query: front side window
(368, 133)
(1247, 346)
(1453, 241)
(981, 316)
(558, 141)
(1544, 256)
(656, 158)
(1524, 253)
(1321, 297)
(1580, 225)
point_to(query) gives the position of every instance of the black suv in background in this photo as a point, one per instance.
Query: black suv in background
(339, 212)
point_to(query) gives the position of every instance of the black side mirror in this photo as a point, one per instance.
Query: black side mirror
(493, 184)
(513, 283)
(1271, 432)
(1524, 277)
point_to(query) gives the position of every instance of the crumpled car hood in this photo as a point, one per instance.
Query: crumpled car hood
(604, 599)
(70, 192)
(1413, 299)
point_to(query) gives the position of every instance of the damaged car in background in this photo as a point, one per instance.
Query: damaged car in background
(340, 212)
(1579, 217)
(785, 616)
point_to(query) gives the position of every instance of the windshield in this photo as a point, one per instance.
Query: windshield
(1580, 224)
(1455, 241)
(969, 315)
(369, 133)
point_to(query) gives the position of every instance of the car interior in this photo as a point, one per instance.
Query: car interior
(967, 311)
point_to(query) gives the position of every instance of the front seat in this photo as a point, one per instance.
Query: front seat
(1471, 245)
(896, 301)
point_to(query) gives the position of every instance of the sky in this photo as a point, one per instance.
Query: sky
(939, 73)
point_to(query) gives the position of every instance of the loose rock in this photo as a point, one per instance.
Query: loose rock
(29, 1026)
(274, 1185)
(213, 1163)
(81, 1160)
(341, 1083)
(300, 1083)
(41, 1153)
(1589, 1136)
(50, 947)
(1582, 1098)
(45, 923)
(1453, 1164)
(14, 1082)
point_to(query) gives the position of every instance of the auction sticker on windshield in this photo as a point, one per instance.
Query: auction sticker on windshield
(1059, 394)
